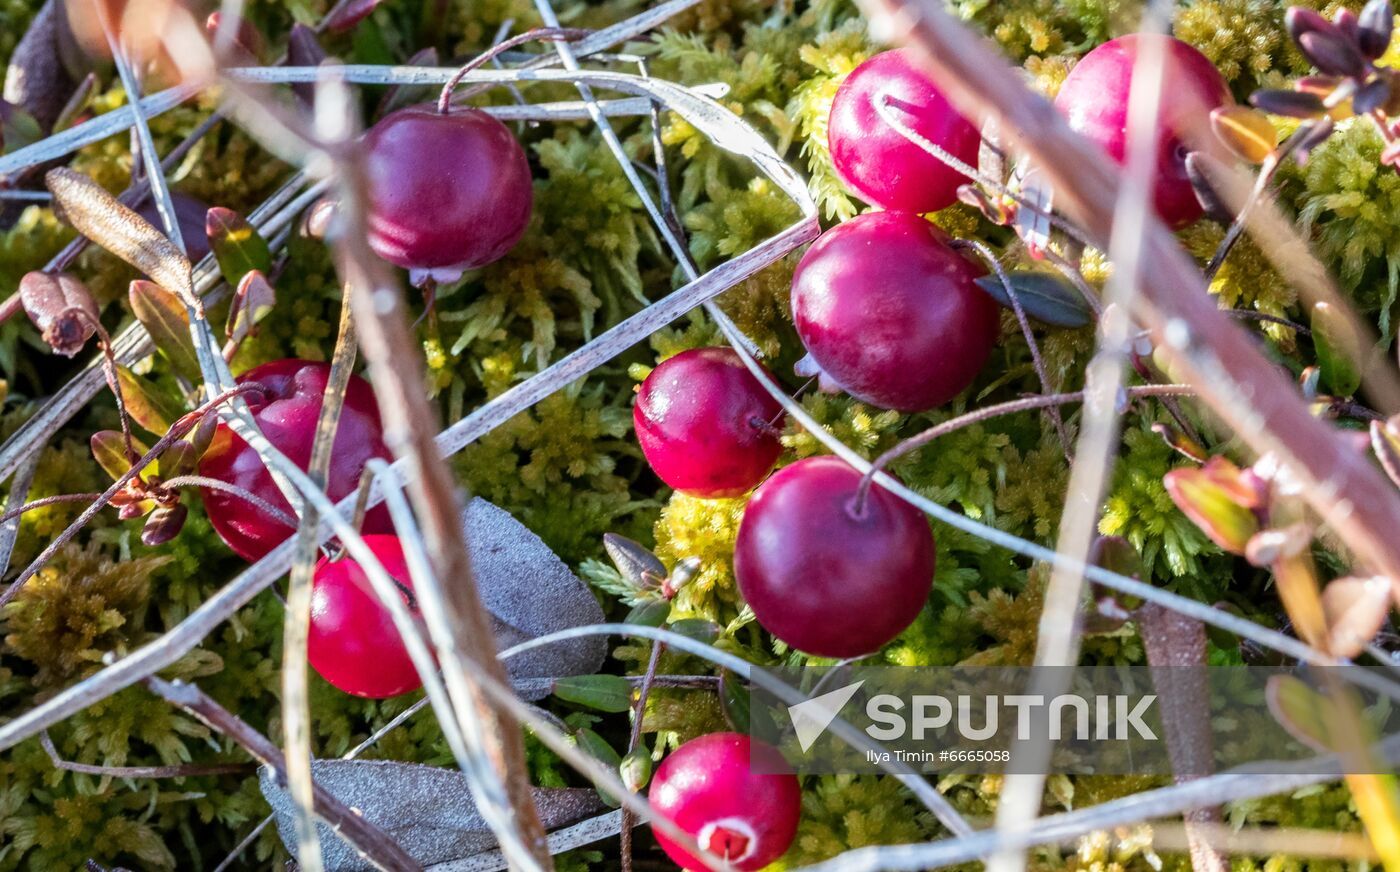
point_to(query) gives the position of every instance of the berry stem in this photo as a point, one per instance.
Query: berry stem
(546, 34)
(47, 501)
(109, 371)
(187, 770)
(990, 258)
(258, 502)
(988, 412)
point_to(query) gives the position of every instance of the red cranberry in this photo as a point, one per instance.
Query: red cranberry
(824, 575)
(353, 642)
(874, 159)
(703, 422)
(287, 414)
(709, 789)
(447, 192)
(1094, 97)
(891, 314)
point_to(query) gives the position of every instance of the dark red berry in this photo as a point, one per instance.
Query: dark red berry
(824, 575)
(448, 192)
(709, 788)
(353, 642)
(287, 414)
(1094, 98)
(877, 161)
(891, 314)
(704, 423)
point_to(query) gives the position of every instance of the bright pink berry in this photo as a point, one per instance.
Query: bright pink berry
(353, 642)
(874, 159)
(891, 314)
(704, 423)
(824, 575)
(1094, 97)
(447, 192)
(709, 788)
(287, 414)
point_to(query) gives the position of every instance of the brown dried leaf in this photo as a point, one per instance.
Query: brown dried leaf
(102, 218)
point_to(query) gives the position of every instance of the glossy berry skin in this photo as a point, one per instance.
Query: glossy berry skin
(709, 789)
(1094, 99)
(353, 642)
(696, 417)
(822, 578)
(447, 193)
(287, 415)
(891, 314)
(874, 159)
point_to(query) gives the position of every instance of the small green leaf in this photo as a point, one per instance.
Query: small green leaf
(1217, 499)
(237, 246)
(1046, 297)
(698, 629)
(17, 127)
(1339, 349)
(735, 701)
(606, 693)
(177, 460)
(642, 569)
(598, 748)
(109, 450)
(165, 318)
(1300, 710)
(147, 404)
(650, 613)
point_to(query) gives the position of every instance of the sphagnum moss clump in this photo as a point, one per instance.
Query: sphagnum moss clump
(570, 469)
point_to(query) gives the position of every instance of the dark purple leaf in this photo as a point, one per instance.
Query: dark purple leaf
(1374, 28)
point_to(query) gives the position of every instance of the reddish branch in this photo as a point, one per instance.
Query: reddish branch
(1249, 393)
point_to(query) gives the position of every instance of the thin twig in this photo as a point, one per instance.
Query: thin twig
(187, 770)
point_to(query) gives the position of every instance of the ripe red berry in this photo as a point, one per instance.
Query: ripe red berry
(874, 159)
(287, 414)
(447, 192)
(703, 422)
(709, 789)
(1094, 98)
(891, 314)
(825, 576)
(353, 642)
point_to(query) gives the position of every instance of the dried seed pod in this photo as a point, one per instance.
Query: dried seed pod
(1332, 53)
(1374, 27)
(1294, 104)
(61, 307)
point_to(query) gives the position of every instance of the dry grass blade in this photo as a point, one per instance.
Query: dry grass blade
(1058, 630)
(458, 622)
